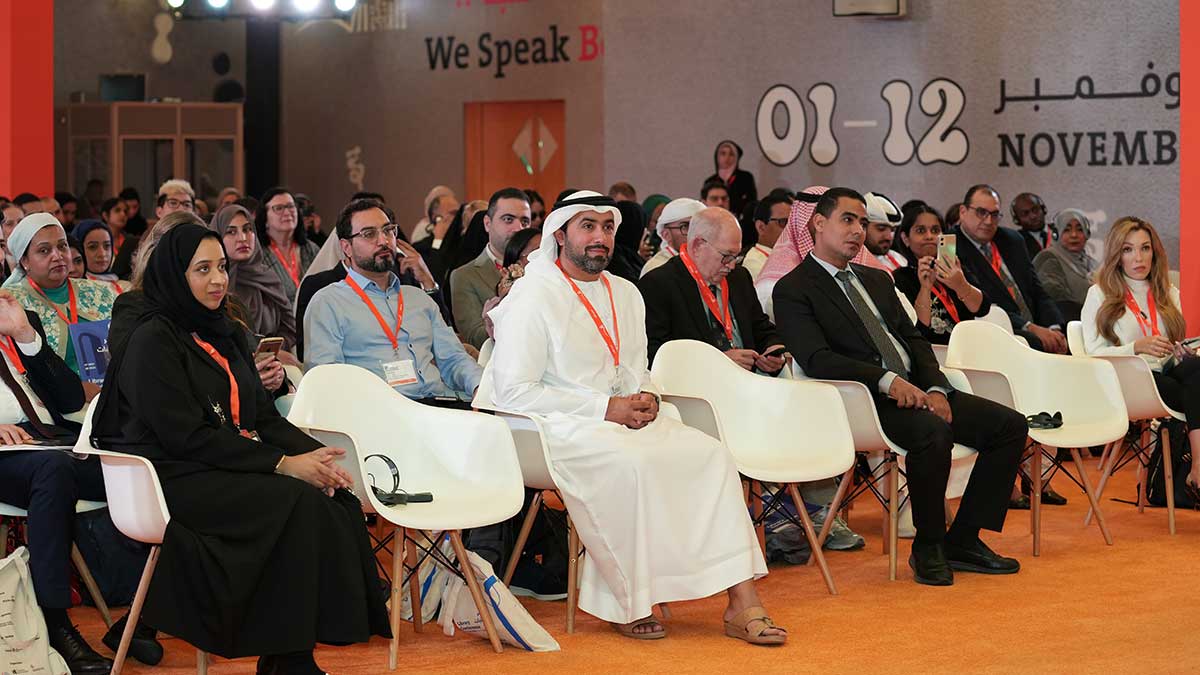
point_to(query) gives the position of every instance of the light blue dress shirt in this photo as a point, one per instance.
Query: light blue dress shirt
(340, 328)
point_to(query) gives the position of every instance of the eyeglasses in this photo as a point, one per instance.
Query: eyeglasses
(984, 214)
(280, 209)
(778, 221)
(726, 258)
(372, 233)
(179, 204)
(682, 227)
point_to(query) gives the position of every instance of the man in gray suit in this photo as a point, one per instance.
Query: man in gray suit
(475, 283)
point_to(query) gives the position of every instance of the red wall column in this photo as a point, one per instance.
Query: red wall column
(26, 97)
(1189, 171)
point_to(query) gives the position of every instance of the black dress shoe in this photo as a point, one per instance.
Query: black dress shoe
(1052, 498)
(80, 657)
(266, 666)
(144, 647)
(929, 566)
(1019, 503)
(977, 557)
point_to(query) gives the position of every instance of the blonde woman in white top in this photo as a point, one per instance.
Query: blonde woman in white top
(1133, 309)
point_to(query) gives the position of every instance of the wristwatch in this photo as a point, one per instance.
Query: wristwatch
(431, 291)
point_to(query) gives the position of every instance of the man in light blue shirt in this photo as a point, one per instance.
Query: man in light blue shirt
(355, 320)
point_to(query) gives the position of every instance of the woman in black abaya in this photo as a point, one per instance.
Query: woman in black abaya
(266, 553)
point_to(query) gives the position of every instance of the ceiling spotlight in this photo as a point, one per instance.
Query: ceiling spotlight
(218, 4)
(262, 5)
(175, 4)
(344, 5)
(305, 5)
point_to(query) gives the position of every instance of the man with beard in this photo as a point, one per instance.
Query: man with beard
(370, 320)
(883, 216)
(645, 492)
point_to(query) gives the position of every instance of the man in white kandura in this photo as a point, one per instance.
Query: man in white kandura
(657, 504)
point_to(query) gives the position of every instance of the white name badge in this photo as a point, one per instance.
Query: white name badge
(399, 373)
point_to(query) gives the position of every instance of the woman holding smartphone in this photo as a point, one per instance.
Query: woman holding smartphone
(1133, 309)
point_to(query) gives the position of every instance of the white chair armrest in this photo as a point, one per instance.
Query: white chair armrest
(990, 384)
(696, 412)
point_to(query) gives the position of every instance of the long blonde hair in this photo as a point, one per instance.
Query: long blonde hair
(1112, 281)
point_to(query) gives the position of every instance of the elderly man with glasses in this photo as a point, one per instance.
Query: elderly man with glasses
(996, 262)
(370, 320)
(672, 228)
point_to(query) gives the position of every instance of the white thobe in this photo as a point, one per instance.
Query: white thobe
(659, 509)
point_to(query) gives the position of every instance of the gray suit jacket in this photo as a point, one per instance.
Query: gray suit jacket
(470, 286)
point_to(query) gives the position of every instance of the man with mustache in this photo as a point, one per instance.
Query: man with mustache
(473, 284)
(370, 320)
(843, 321)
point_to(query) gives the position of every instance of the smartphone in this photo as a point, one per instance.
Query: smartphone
(269, 345)
(947, 248)
(773, 349)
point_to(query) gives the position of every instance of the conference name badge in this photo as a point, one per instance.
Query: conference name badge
(399, 373)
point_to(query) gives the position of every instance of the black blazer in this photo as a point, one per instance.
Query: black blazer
(675, 311)
(56, 385)
(1012, 250)
(825, 336)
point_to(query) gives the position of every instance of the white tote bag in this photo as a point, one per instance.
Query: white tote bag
(433, 583)
(514, 625)
(24, 647)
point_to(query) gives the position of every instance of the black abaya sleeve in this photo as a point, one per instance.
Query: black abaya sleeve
(274, 428)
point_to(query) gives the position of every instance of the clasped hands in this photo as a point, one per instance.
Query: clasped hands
(634, 412)
(908, 396)
(318, 468)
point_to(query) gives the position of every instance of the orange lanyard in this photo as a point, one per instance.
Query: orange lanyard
(235, 399)
(9, 347)
(942, 295)
(73, 307)
(1148, 327)
(707, 296)
(763, 249)
(118, 242)
(292, 266)
(614, 346)
(996, 263)
(117, 287)
(392, 334)
(890, 262)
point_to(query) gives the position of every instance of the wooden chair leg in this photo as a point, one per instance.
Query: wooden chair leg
(522, 537)
(811, 535)
(89, 582)
(893, 515)
(1087, 488)
(135, 611)
(397, 579)
(665, 610)
(201, 663)
(572, 574)
(834, 507)
(1035, 499)
(481, 603)
(1164, 438)
(1106, 470)
(414, 583)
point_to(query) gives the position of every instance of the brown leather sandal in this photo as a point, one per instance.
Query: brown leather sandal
(628, 629)
(751, 625)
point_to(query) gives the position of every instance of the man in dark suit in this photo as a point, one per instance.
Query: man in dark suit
(996, 262)
(1029, 214)
(845, 322)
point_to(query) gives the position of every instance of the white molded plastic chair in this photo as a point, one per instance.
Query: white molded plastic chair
(485, 352)
(1147, 411)
(757, 418)
(997, 316)
(139, 511)
(465, 459)
(1085, 391)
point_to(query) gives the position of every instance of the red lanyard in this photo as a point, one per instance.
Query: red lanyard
(1148, 327)
(235, 398)
(672, 252)
(390, 333)
(117, 287)
(763, 249)
(1046, 238)
(890, 262)
(614, 346)
(73, 307)
(9, 347)
(707, 296)
(118, 242)
(942, 295)
(292, 266)
(996, 263)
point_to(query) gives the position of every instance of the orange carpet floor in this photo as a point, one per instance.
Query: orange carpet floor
(1080, 607)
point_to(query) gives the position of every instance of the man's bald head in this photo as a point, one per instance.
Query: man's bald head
(714, 224)
(714, 242)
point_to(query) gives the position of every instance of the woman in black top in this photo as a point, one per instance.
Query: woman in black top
(266, 552)
(739, 183)
(937, 289)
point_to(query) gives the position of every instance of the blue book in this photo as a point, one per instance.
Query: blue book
(90, 340)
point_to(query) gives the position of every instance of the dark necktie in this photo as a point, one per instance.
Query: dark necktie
(1009, 284)
(23, 400)
(883, 344)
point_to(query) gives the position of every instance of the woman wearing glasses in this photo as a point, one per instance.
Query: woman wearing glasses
(287, 250)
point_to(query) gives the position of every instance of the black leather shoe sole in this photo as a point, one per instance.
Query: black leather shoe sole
(144, 650)
(929, 581)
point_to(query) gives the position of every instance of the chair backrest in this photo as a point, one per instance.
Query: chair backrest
(769, 425)
(435, 449)
(527, 433)
(1075, 342)
(996, 315)
(135, 497)
(485, 352)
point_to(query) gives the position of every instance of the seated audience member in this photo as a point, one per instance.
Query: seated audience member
(739, 184)
(1133, 309)
(622, 191)
(267, 552)
(672, 228)
(70, 209)
(50, 205)
(627, 261)
(652, 208)
(370, 319)
(715, 193)
(310, 219)
(649, 541)
(287, 252)
(202, 210)
(10, 215)
(1029, 214)
(952, 215)
(256, 288)
(936, 287)
(996, 262)
(842, 321)
(464, 240)
(42, 283)
(174, 195)
(424, 229)
(474, 283)
(770, 217)
(537, 209)
(135, 222)
(29, 203)
(113, 214)
(227, 196)
(516, 257)
(97, 241)
(884, 216)
(78, 266)
(1064, 267)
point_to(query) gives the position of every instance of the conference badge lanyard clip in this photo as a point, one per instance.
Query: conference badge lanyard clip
(399, 371)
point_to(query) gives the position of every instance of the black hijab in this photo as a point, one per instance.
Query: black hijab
(167, 291)
(474, 240)
(625, 262)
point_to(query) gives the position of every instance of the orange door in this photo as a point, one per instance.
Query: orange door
(517, 144)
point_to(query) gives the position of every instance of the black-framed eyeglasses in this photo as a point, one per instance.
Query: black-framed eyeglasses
(280, 209)
(984, 214)
(372, 233)
(726, 258)
(782, 222)
(682, 227)
(179, 204)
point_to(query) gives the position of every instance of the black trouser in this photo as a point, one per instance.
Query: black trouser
(47, 483)
(997, 432)
(1180, 389)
